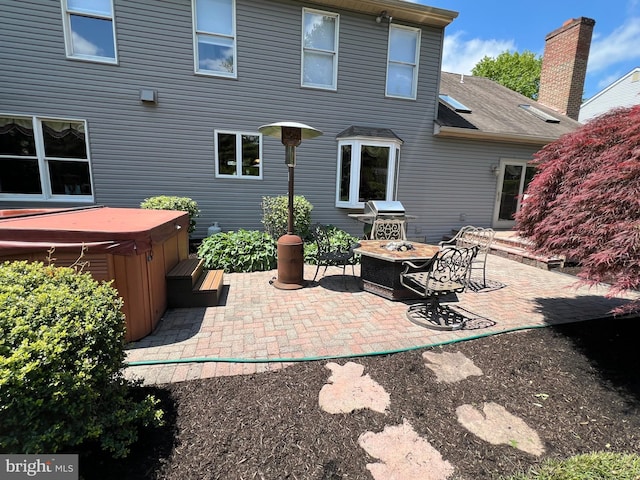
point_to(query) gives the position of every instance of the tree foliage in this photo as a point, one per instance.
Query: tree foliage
(517, 71)
(584, 202)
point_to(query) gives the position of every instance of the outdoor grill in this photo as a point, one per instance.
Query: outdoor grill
(377, 209)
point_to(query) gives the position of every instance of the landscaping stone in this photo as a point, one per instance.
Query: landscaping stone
(496, 425)
(450, 367)
(350, 390)
(404, 455)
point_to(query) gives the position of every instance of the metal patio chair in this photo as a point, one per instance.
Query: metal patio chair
(389, 229)
(471, 236)
(330, 255)
(448, 272)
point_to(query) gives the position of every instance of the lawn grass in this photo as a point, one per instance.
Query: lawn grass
(590, 466)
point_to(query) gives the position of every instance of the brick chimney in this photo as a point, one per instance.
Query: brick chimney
(564, 66)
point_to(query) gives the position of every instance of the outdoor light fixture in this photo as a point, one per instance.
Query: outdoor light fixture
(290, 246)
(383, 15)
(495, 170)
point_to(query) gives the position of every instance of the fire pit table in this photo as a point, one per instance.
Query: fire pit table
(381, 265)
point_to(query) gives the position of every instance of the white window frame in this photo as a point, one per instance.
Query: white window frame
(68, 33)
(239, 174)
(356, 144)
(333, 53)
(415, 64)
(232, 37)
(43, 164)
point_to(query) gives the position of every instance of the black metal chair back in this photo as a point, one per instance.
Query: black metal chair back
(448, 272)
(471, 236)
(389, 229)
(328, 254)
(451, 270)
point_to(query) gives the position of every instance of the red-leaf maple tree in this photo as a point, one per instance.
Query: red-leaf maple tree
(584, 201)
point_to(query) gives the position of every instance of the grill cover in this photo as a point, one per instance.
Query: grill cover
(379, 208)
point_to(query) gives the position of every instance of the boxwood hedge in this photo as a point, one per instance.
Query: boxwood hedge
(61, 359)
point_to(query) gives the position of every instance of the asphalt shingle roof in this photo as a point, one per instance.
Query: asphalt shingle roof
(495, 111)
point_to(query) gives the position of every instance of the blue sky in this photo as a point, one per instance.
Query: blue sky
(489, 27)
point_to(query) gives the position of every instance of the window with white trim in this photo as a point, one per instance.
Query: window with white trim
(44, 159)
(367, 170)
(89, 30)
(238, 154)
(402, 62)
(319, 49)
(214, 37)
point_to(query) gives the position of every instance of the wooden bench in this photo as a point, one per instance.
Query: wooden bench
(190, 285)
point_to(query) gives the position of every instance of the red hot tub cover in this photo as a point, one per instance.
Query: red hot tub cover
(118, 231)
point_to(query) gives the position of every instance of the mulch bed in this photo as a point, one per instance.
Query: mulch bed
(577, 385)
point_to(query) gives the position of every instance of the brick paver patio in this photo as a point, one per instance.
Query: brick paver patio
(259, 328)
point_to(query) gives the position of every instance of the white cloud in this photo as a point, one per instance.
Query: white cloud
(621, 45)
(83, 46)
(460, 56)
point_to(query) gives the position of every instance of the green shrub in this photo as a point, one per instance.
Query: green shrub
(275, 215)
(164, 202)
(591, 466)
(240, 251)
(337, 238)
(61, 359)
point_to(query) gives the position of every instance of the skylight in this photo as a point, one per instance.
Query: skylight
(455, 104)
(540, 114)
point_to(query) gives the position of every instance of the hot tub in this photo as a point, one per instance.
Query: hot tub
(133, 247)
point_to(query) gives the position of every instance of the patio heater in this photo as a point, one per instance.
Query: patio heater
(290, 245)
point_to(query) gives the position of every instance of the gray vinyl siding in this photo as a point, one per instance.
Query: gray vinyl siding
(140, 150)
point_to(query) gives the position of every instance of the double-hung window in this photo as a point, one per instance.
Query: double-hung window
(402, 62)
(319, 49)
(44, 159)
(367, 170)
(238, 154)
(89, 30)
(214, 37)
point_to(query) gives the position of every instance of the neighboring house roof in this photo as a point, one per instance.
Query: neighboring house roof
(496, 113)
(624, 92)
(396, 9)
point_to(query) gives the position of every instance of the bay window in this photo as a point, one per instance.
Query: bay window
(367, 170)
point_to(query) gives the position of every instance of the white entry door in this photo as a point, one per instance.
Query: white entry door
(513, 179)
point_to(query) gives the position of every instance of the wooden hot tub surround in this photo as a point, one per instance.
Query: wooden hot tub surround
(134, 248)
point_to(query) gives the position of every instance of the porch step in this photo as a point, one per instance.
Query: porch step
(508, 244)
(190, 285)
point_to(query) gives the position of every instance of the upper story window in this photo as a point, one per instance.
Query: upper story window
(319, 49)
(89, 30)
(214, 37)
(238, 154)
(367, 169)
(44, 159)
(402, 62)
